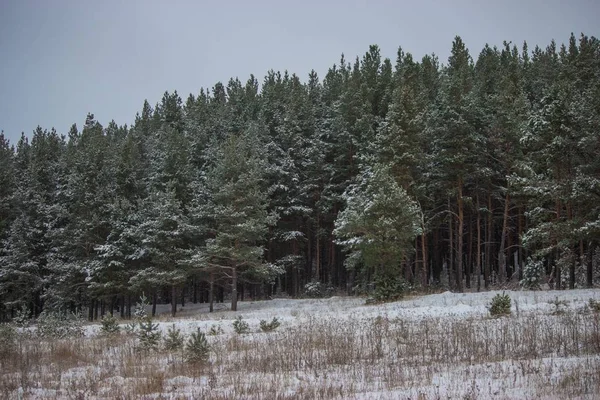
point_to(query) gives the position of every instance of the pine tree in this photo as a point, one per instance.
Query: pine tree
(378, 225)
(238, 210)
(197, 349)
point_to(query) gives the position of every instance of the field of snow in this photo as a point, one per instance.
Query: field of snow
(427, 347)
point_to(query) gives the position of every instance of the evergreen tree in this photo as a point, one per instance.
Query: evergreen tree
(378, 225)
(238, 210)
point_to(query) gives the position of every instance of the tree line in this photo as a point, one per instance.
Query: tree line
(469, 174)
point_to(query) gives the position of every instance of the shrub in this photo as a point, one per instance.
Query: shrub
(594, 305)
(500, 305)
(139, 314)
(558, 306)
(532, 274)
(269, 326)
(59, 325)
(148, 334)
(110, 326)
(317, 289)
(23, 317)
(240, 326)
(216, 330)
(174, 340)
(197, 348)
(130, 327)
(140, 308)
(389, 288)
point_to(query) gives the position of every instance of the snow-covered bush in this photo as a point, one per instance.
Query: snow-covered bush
(215, 330)
(269, 326)
(317, 290)
(22, 318)
(532, 274)
(389, 288)
(59, 325)
(110, 326)
(500, 305)
(240, 326)
(559, 306)
(594, 305)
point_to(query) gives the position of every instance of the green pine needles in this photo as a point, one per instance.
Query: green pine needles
(148, 335)
(532, 274)
(197, 349)
(110, 326)
(174, 340)
(269, 326)
(240, 326)
(500, 305)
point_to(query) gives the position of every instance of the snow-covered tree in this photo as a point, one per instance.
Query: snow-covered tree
(237, 209)
(378, 225)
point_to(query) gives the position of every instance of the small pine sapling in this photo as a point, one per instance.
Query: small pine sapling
(240, 326)
(174, 339)
(559, 306)
(197, 349)
(269, 326)
(139, 313)
(216, 330)
(110, 326)
(500, 305)
(148, 334)
(594, 305)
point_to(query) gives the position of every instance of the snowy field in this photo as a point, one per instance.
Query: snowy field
(429, 347)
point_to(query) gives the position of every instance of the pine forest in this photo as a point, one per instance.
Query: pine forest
(381, 177)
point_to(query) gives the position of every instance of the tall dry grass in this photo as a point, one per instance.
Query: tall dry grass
(556, 356)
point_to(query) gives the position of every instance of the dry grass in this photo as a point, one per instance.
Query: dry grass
(534, 356)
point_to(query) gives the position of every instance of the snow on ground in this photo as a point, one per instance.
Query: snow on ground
(291, 311)
(438, 346)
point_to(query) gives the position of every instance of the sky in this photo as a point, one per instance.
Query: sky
(60, 59)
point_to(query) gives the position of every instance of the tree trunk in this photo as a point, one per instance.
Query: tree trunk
(195, 290)
(488, 244)
(154, 300)
(234, 291)
(590, 265)
(521, 250)
(91, 311)
(574, 261)
(451, 260)
(122, 306)
(318, 251)
(501, 251)
(478, 246)
(309, 254)
(557, 259)
(469, 268)
(459, 245)
(424, 258)
(211, 292)
(173, 300)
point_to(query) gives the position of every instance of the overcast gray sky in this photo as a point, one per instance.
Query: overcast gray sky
(60, 59)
